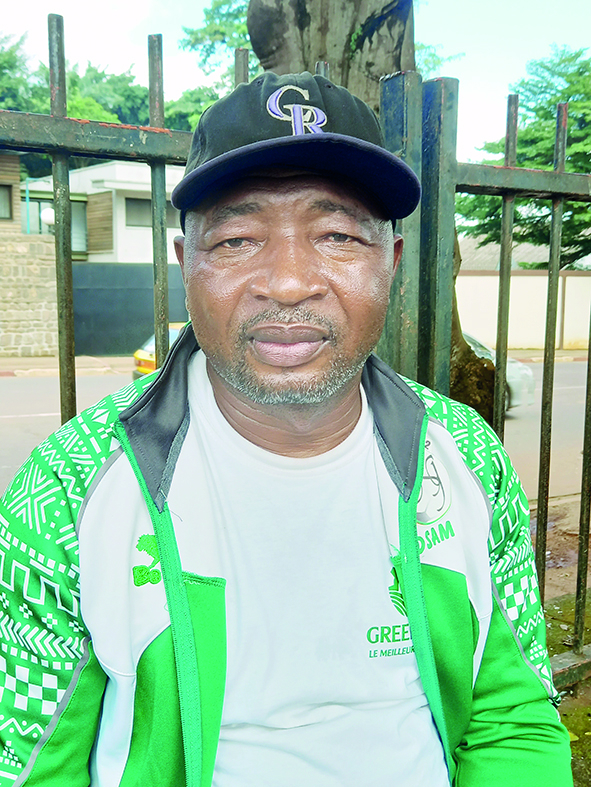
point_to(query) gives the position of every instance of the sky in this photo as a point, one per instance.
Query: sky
(494, 40)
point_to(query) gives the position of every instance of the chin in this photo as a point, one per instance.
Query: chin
(290, 387)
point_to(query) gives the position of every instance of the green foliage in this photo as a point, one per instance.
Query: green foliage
(533, 266)
(15, 91)
(92, 95)
(564, 77)
(224, 30)
(117, 94)
(184, 113)
(80, 103)
(428, 62)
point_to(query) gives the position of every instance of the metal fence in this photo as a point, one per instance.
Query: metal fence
(419, 121)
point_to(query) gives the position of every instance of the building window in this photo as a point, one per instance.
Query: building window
(5, 202)
(31, 221)
(31, 216)
(138, 213)
(79, 230)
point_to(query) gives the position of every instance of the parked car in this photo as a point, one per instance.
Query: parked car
(520, 380)
(145, 357)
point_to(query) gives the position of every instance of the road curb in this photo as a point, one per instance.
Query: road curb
(557, 359)
(94, 372)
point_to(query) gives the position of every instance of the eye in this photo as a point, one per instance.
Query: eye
(233, 243)
(339, 237)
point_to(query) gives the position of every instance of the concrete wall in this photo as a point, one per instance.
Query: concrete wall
(575, 327)
(28, 301)
(477, 294)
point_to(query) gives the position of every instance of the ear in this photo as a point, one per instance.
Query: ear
(179, 247)
(398, 245)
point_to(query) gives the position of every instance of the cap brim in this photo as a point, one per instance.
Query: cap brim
(375, 170)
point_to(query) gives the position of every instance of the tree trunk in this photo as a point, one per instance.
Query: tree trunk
(361, 40)
(472, 378)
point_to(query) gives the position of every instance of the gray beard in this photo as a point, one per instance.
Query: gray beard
(240, 376)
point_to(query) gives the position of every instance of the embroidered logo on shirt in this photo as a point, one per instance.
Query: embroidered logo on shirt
(435, 497)
(144, 574)
(433, 536)
(396, 596)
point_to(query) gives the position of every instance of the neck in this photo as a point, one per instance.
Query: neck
(290, 430)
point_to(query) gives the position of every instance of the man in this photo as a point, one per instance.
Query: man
(275, 562)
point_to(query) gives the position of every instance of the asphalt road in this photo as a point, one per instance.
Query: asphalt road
(522, 431)
(29, 411)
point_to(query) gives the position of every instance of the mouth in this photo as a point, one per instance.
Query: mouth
(287, 345)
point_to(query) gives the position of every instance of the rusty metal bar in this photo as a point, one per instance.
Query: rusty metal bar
(241, 66)
(549, 351)
(156, 84)
(500, 392)
(63, 226)
(46, 134)
(401, 119)
(158, 181)
(583, 553)
(538, 183)
(322, 68)
(440, 109)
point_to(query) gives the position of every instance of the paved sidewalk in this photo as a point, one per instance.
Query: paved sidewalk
(48, 366)
(87, 365)
(537, 356)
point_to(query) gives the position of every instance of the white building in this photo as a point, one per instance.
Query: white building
(111, 211)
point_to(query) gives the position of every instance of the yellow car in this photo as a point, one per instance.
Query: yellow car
(145, 357)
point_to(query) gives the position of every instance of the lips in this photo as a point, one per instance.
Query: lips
(287, 345)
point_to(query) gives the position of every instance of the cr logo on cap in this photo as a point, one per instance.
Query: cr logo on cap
(303, 118)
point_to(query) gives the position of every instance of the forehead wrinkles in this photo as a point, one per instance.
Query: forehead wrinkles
(350, 210)
(221, 213)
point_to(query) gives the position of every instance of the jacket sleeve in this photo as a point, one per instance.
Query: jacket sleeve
(515, 737)
(51, 685)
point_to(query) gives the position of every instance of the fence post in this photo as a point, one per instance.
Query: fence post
(322, 68)
(505, 274)
(63, 226)
(583, 554)
(158, 181)
(549, 352)
(439, 168)
(241, 75)
(401, 119)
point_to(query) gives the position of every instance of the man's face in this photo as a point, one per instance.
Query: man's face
(288, 280)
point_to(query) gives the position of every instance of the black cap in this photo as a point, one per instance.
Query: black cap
(297, 121)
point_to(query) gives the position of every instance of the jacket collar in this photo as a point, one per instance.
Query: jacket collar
(157, 422)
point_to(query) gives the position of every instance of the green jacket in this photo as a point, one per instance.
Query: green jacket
(99, 687)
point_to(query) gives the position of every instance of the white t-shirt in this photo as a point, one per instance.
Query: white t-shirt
(322, 683)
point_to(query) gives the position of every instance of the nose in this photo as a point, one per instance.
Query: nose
(288, 273)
